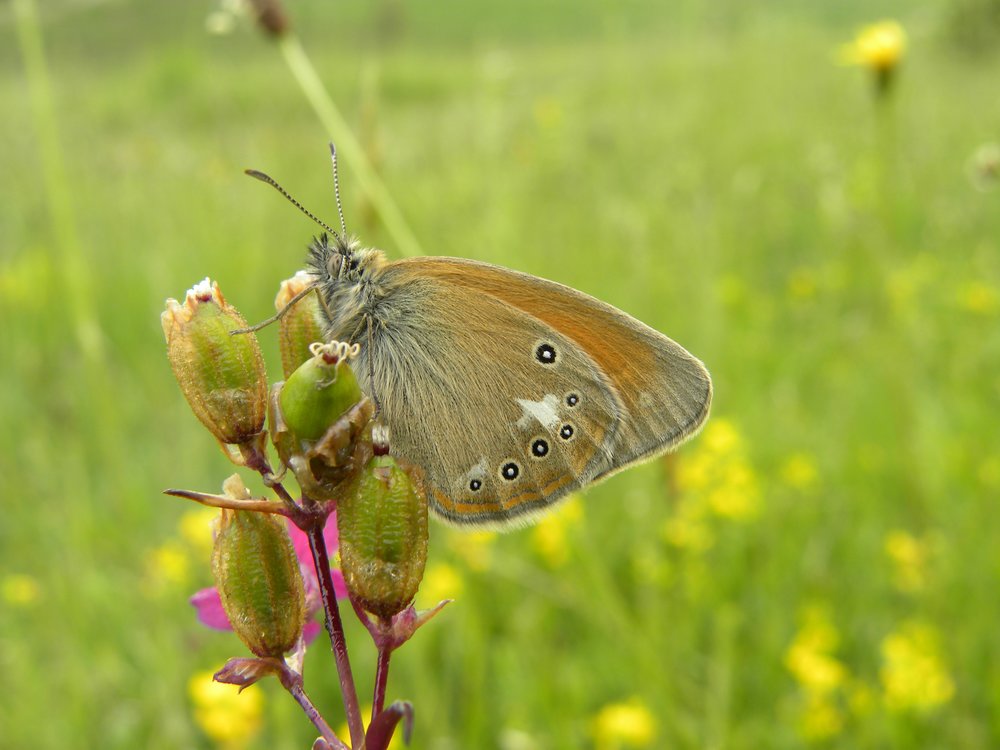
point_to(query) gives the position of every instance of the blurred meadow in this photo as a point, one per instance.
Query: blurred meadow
(819, 568)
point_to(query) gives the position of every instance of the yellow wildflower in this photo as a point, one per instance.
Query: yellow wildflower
(227, 716)
(19, 589)
(197, 527)
(979, 298)
(549, 536)
(720, 437)
(913, 674)
(799, 471)
(810, 657)
(909, 556)
(736, 496)
(621, 725)
(344, 731)
(441, 581)
(688, 533)
(802, 284)
(821, 718)
(167, 565)
(878, 46)
(548, 114)
(474, 547)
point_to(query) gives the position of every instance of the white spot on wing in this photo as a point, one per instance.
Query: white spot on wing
(545, 412)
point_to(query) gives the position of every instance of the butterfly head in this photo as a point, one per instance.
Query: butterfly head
(346, 275)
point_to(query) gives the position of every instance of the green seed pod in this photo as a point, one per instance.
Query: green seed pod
(299, 327)
(320, 391)
(259, 582)
(221, 376)
(383, 535)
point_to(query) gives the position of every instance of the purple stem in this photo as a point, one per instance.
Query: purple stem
(292, 682)
(335, 628)
(381, 678)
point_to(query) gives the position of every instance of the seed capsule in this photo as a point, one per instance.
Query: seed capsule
(299, 327)
(382, 522)
(221, 376)
(258, 578)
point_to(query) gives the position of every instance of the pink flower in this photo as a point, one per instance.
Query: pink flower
(209, 606)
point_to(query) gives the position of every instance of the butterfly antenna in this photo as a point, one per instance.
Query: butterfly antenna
(336, 189)
(273, 183)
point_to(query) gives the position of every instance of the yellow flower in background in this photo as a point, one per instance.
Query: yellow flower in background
(230, 718)
(19, 590)
(909, 557)
(623, 725)
(913, 674)
(879, 46)
(167, 565)
(441, 581)
(474, 547)
(714, 478)
(799, 471)
(197, 528)
(802, 284)
(810, 657)
(344, 731)
(549, 535)
(821, 718)
(979, 298)
(821, 676)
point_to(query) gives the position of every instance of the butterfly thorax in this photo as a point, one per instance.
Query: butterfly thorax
(348, 278)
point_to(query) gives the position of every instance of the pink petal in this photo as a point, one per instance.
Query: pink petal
(310, 631)
(209, 608)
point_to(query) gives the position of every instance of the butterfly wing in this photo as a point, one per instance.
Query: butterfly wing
(511, 391)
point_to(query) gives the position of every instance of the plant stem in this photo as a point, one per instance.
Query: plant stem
(292, 682)
(335, 627)
(76, 275)
(381, 678)
(348, 145)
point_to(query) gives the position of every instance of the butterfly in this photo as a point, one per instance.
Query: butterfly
(508, 390)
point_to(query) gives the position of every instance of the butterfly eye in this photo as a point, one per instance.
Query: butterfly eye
(510, 471)
(572, 400)
(539, 448)
(566, 431)
(546, 354)
(475, 485)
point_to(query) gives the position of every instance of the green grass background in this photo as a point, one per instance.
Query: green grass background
(705, 166)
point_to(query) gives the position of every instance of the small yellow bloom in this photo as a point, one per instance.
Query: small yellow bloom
(19, 589)
(909, 556)
(688, 533)
(802, 284)
(810, 657)
(820, 718)
(621, 725)
(979, 298)
(879, 46)
(227, 716)
(913, 674)
(549, 536)
(799, 471)
(474, 547)
(168, 564)
(197, 527)
(344, 731)
(441, 581)
(548, 114)
(721, 436)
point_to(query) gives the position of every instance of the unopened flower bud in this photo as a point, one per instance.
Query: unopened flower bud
(258, 578)
(299, 327)
(383, 535)
(221, 375)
